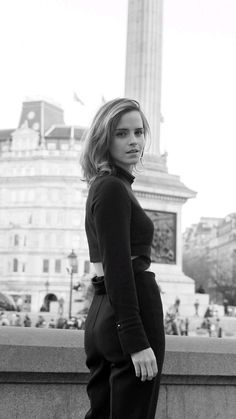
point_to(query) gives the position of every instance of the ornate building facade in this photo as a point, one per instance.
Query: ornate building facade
(42, 202)
(209, 255)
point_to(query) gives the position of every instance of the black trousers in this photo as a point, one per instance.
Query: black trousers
(114, 390)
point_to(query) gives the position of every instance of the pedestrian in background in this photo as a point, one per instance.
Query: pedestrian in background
(196, 306)
(208, 326)
(27, 321)
(18, 321)
(4, 320)
(186, 326)
(40, 322)
(124, 332)
(218, 328)
(177, 304)
(52, 324)
(226, 305)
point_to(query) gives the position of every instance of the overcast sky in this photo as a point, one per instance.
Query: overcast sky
(55, 47)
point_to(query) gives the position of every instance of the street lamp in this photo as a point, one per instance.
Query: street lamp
(72, 258)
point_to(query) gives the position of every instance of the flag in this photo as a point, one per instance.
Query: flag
(77, 99)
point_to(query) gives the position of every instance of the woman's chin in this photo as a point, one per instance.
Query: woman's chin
(134, 159)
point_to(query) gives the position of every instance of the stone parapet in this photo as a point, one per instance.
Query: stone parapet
(43, 376)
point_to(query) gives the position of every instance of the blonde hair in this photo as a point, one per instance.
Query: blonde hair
(95, 158)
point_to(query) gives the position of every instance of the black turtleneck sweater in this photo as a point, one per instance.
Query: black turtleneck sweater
(118, 228)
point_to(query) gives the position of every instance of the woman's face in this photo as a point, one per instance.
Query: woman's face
(128, 140)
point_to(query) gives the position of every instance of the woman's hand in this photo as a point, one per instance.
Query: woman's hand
(145, 364)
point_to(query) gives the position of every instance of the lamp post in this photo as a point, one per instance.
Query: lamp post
(72, 258)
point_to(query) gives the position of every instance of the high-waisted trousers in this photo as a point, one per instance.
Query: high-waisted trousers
(113, 389)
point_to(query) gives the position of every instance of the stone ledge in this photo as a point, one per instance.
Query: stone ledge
(200, 356)
(41, 350)
(32, 350)
(43, 376)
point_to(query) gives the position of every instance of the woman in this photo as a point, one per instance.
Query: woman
(124, 333)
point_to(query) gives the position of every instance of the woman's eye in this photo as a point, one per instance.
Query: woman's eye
(139, 132)
(121, 134)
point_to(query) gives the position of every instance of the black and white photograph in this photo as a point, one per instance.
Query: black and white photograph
(117, 209)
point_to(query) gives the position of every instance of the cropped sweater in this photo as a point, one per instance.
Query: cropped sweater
(118, 228)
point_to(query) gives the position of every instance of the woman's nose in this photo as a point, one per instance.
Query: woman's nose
(132, 139)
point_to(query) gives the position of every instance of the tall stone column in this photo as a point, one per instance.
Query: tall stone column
(143, 62)
(160, 193)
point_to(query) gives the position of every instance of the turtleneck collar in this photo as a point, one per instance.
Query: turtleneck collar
(124, 174)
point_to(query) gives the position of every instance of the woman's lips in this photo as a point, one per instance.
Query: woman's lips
(132, 151)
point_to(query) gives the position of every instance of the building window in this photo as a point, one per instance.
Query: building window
(31, 195)
(48, 218)
(75, 268)
(16, 240)
(51, 146)
(15, 265)
(45, 265)
(86, 267)
(65, 146)
(23, 266)
(58, 266)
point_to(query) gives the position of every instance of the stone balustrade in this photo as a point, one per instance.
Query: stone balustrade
(43, 376)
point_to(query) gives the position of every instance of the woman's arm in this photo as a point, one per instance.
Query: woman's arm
(111, 209)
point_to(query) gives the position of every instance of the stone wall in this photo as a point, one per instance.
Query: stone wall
(43, 376)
